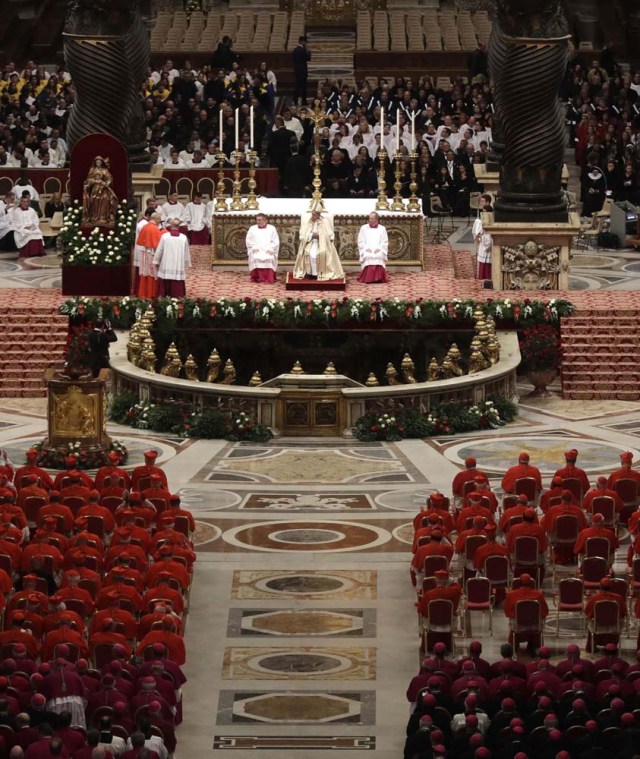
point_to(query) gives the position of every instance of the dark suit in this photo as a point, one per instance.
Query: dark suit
(279, 150)
(301, 56)
(99, 349)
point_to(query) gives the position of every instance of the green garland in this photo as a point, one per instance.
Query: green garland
(299, 314)
(110, 249)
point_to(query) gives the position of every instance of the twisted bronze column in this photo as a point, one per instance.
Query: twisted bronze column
(106, 50)
(529, 111)
(497, 56)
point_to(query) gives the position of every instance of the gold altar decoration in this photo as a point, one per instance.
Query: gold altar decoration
(229, 232)
(229, 373)
(214, 363)
(372, 380)
(391, 374)
(330, 369)
(318, 116)
(414, 205)
(447, 370)
(530, 266)
(454, 357)
(221, 198)
(251, 203)
(236, 199)
(99, 201)
(398, 202)
(191, 369)
(255, 380)
(147, 360)
(76, 411)
(172, 362)
(297, 368)
(382, 203)
(134, 346)
(433, 371)
(477, 362)
(407, 367)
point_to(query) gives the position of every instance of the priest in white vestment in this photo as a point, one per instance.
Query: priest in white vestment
(317, 255)
(263, 245)
(173, 209)
(195, 218)
(26, 230)
(172, 258)
(484, 241)
(373, 249)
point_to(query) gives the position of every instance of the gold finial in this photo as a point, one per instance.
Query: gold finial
(330, 369)
(229, 373)
(214, 362)
(172, 362)
(297, 368)
(255, 380)
(372, 380)
(454, 357)
(191, 369)
(408, 367)
(493, 349)
(134, 346)
(433, 372)
(477, 362)
(147, 359)
(391, 374)
(478, 313)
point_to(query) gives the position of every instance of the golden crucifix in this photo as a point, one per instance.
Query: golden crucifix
(317, 115)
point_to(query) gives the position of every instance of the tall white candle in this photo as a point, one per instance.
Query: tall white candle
(220, 139)
(398, 131)
(237, 120)
(251, 126)
(413, 132)
(381, 127)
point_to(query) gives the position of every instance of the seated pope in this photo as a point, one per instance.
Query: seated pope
(317, 255)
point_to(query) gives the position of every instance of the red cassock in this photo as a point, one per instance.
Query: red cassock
(136, 552)
(79, 490)
(594, 532)
(57, 510)
(462, 537)
(40, 750)
(451, 593)
(61, 476)
(148, 620)
(111, 471)
(624, 473)
(14, 552)
(31, 491)
(597, 493)
(108, 639)
(604, 595)
(74, 593)
(171, 667)
(51, 621)
(41, 474)
(517, 472)
(163, 687)
(121, 616)
(71, 739)
(82, 553)
(486, 494)
(35, 621)
(462, 683)
(17, 599)
(95, 510)
(62, 635)
(10, 637)
(127, 574)
(459, 481)
(431, 549)
(551, 517)
(173, 642)
(527, 528)
(161, 592)
(126, 591)
(104, 697)
(15, 514)
(172, 512)
(507, 516)
(553, 492)
(524, 594)
(148, 696)
(157, 492)
(488, 549)
(125, 534)
(571, 470)
(175, 568)
(566, 665)
(446, 517)
(473, 511)
(423, 532)
(35, 551)
(60, 683)
(550, 680)
(146, 470)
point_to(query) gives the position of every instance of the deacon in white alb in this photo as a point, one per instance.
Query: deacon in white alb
(263, 245)
(196, 220)
(172, 258)
(26, 230)
(373, 249)
(173, 209)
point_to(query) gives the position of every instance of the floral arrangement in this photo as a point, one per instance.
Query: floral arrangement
(395, 312)
(76, 351)
(442, 419)
(540, 348)
(55, 459)
(241, 426)
(110, 249)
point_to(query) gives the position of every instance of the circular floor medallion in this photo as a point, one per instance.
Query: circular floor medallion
(299, 663)
(309, 537)
(304, 584)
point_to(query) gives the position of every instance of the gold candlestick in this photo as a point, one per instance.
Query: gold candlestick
(383, 202)
(414, 205)
(251, 204)
(236, 200)
(221, 200)
(398, 202)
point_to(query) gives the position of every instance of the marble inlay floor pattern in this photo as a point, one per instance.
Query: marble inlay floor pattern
(305, 585)
(301, 623)
(299, 663)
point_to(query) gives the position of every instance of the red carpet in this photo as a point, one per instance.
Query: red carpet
(313, 284)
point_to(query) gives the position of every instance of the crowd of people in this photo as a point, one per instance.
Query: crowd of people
(509, 709)
(95, 575)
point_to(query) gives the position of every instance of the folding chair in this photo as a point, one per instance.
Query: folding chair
(569, 598)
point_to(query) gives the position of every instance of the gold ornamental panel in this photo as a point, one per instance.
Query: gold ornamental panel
(76, 411)
(229, 232)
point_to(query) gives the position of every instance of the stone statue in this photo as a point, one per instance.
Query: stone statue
(530, 114)
(191, 369)
(531, 266)
(214, 362)
(229, 373)
(99, 201)
(106, 49)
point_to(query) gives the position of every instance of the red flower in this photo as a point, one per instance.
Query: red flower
(334, 314)
(409, 311)
(213, 312)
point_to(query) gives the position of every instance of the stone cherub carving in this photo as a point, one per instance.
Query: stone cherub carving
(531, 266)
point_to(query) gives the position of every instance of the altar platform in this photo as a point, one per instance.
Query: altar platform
(229, 230)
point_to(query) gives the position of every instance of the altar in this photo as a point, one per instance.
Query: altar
(229, 229)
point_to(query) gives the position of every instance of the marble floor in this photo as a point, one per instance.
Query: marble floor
(302, 634)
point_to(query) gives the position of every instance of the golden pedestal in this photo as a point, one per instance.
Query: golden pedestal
(76, 412)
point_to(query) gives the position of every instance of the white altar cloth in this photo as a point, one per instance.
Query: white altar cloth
(337, 206)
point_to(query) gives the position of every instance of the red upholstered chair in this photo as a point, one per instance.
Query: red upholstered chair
(182, 525)
(148, 654)
(605, 505)
(471, 545)
(423, 540)
(432, 564)
(574, 486)
(437, 627)
(120, 731)
(598, 547)
(75, 503)
(627, 489)
(479, 598)
(569, 599)
(634, 577)
(514, 520)
(91, 586)
(102, 654)
(592, 570)
(160, 504)
(75, 604)
(605, 626)
(527, 486)
(99, 713)
(31, 508)
(467, 488)
(144, 483)
(567, 529)
(5, 563)
(111, 502)
(114, 481)
(95, 525)
(555, 500)
(496, 570)
(508, 501)
(527, 625)
(525, 557)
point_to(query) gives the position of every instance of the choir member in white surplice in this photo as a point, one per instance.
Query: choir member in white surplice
(373, 248)
(173, 209)
(195, 218)
(26, 230)
(263, 245)
(172, 258)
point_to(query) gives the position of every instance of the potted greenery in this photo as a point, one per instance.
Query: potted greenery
(541, 356)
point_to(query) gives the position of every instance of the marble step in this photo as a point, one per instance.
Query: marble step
(596, 395)
(623, 368)
(21, 392)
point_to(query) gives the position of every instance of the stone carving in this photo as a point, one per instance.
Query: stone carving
(530, 266)
(106, 49)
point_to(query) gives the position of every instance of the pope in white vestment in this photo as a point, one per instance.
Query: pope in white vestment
(317, 255)
(172, 257)
(195, 218)
(373, 249)
(26, 230)
(263, 245)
